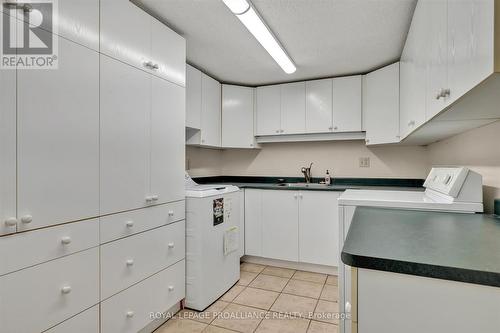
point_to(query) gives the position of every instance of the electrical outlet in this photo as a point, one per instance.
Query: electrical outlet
(364, 162)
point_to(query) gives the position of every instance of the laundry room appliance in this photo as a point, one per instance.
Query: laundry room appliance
(447, 189)
(212, 242)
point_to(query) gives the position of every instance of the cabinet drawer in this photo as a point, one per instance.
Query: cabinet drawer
(85, 322)
(35, 247)
(129, 311)
(129, 223)
(37, 298)
(129, 260)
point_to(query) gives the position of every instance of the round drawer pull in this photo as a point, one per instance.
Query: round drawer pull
(170, 213)
(66, 290)
(130, 314)
(171, 288)
(171, 245)
(130, 262)
(27, 219)
(66, 240)
(11, 222)
(129, 224)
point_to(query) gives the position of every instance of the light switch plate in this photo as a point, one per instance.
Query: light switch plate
(364, 162)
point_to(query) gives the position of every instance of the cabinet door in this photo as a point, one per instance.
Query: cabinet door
(413, 76)
(58, 139)
(293, 108)
(125, 137)
(319, 106)
(319, 227)
(210, 112)
(237, 117)
(381, 108)
(168, 50)
(7, 151)
(253, 222)
(280, 225)
(193, 97)
(470, 44)
(268, 110)
(347, 104)
(125, 32)
(437, 62)
(167, 141)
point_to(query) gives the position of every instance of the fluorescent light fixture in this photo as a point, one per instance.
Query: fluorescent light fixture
(252, 21)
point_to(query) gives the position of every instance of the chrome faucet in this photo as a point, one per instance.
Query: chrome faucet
(307, 173)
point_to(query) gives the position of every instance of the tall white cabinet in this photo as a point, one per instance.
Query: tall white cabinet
(93, 160)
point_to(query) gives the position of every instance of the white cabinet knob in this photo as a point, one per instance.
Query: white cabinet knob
(170, 213)
(129, 224)
(171, 245)
(301, 196)
(130, 314)
(295, 196)
(155, 197)
(27, 219)
(330, 128)
(171, 288)
(281, 131)
(66, 290)
(66, 240)
(411, 123)
(156, 66)
(129, 262)
(335, 128)
(11, 222)
(149, 198)
(347, 307)
(277, 131)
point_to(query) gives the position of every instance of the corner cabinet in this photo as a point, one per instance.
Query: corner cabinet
(381, 105)
(297, 226)
(238, 117)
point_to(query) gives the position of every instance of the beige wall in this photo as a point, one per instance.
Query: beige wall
(286, 159)
(478, 149)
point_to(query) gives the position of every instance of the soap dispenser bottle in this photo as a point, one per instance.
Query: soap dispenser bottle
(328, 179)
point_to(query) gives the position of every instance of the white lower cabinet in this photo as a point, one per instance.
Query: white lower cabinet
(299, 226)
(319, 227)
(121, 225)
(85, 322)
(280, 225)
(130, 310)
(63, 288)
(132, 259)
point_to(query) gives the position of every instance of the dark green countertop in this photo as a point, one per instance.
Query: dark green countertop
(451, 246)
(339, 184)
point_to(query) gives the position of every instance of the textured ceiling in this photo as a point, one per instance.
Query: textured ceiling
(323, 37)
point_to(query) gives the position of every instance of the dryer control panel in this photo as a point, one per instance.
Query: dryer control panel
(447, 180)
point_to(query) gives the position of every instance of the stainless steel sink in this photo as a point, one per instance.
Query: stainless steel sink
(310, 185)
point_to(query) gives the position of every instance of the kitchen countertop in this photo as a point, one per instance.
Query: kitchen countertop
(450, 246)
(339, 184)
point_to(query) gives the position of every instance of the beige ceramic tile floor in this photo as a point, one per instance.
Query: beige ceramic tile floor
(266, 300)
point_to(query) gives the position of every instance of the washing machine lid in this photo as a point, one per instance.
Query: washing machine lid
(203, 191)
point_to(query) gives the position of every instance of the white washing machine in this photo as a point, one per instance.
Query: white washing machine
(447, 189)
(212, 242)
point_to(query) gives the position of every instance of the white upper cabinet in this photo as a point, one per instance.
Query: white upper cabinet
(167, 141)
(293, 108)
(280, 225)
(319, 106)
(381, 105)
(146, 44)
(319, 227)
(413, 73)
(347, 104)
(237, 117)
(168, 52)
(8, 221)
(470, 47)
(210, 111)
(58, 140)
(125, 134)
(268, 110)
(437, 63)
(193, 97)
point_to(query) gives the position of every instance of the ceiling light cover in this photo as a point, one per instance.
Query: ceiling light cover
(252, 21)
(237, 6)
